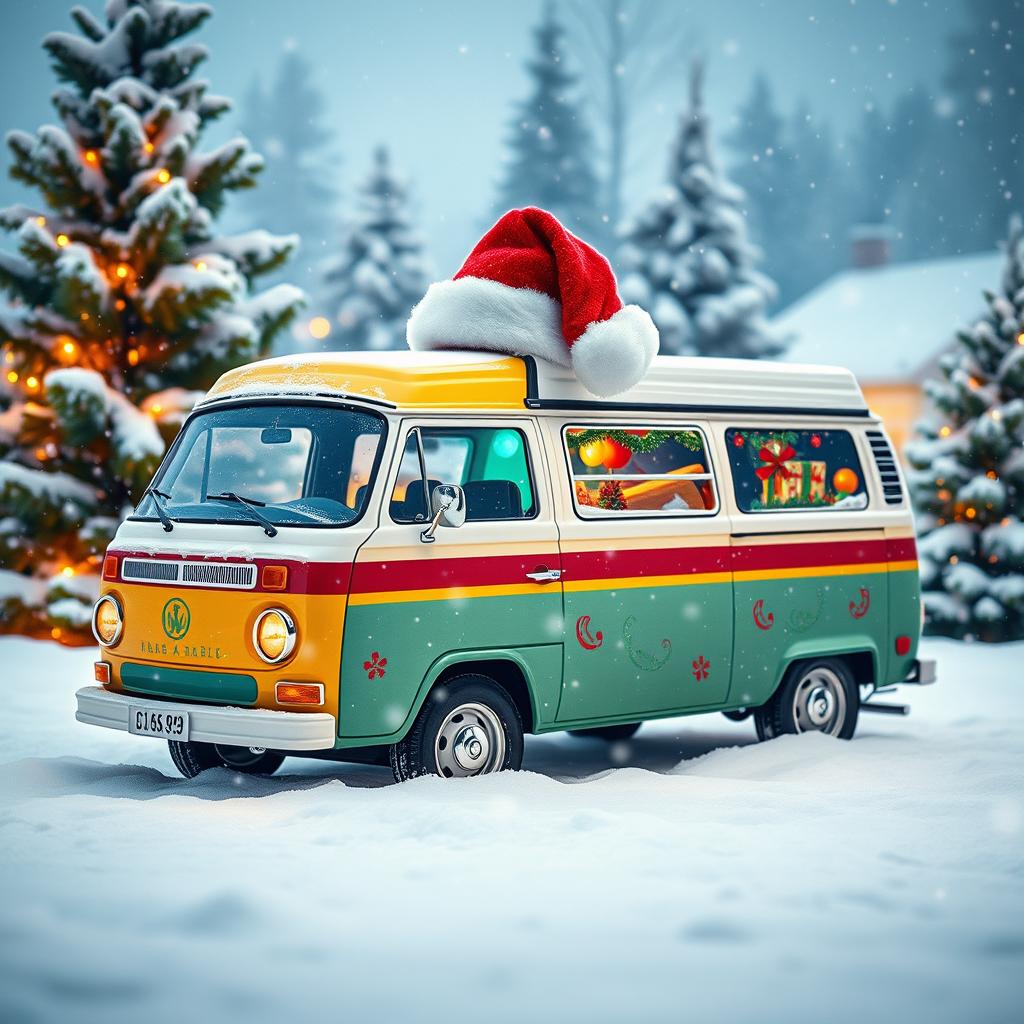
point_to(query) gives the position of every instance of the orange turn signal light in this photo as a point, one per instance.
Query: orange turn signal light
(101, 670)
(110, 567)
(300, 693)
(274, 577)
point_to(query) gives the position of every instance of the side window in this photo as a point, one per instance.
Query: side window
(652, 471)
(491, 464)
(785, 470)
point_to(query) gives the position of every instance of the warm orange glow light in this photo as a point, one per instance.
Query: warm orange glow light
(12, 376)
(274, 577)
(68, 348)
(41, 454)
(41, 221)
(148, 147)
(200, 264)
(67, 571)
(133, 357)
(90, 156)
(1020, 338)
(155, 409)
(319, 327)
(971, 513)
(56, 632)
(163, 175)
(945, 431)
(32, 382)
(122, 271)
(62, 240)
(299, 693)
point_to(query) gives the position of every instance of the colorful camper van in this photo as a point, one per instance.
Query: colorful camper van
(416, 558)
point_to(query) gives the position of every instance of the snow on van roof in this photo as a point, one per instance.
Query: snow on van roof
(479, 380)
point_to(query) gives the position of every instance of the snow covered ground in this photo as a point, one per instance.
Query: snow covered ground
(693, 875)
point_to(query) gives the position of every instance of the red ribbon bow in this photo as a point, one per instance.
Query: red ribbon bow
(773, 463)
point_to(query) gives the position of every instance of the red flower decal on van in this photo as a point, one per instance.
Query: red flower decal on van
(701, 668)
(375, 666)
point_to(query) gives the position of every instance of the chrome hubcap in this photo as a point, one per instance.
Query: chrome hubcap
(471, 741)
(819, 703)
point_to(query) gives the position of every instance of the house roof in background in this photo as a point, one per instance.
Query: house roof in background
(887, 323)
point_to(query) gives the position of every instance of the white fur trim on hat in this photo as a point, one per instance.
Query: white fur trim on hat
(612, 355)
(473, 312)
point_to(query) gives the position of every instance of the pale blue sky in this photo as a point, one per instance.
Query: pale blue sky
(437, 81)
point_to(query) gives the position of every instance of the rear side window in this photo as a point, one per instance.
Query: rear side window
(658, 470)
(490, 464)
(791, 470)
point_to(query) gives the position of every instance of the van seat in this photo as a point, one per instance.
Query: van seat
(493, 499)
(412, 506)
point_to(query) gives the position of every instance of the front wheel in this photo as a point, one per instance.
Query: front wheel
(816, 696)
(467, 727)
(193, 758)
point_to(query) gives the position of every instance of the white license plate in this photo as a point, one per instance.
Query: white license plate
(168, 725)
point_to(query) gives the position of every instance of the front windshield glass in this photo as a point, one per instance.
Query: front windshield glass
(302, 465)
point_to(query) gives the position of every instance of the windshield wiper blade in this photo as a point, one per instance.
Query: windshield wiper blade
(252, 505)
(156, 494)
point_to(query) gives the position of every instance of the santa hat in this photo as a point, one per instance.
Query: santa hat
(532, 288)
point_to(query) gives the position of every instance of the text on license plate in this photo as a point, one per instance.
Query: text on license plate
(171, 725)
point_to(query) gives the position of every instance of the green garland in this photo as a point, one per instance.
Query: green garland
(638, 445)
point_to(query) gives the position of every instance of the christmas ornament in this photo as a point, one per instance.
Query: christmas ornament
(815, 440)
(616, 455)
(530, 287)
(593, 454)
(845, 481)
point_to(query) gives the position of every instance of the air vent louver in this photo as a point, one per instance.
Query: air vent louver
(887, 468)
(137, 569)
(190, 574)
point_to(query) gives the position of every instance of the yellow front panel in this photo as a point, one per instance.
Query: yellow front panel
(216, 635)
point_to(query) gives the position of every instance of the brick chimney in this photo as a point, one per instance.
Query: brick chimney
(869, 245)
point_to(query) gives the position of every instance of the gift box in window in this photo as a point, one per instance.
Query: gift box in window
(786, 480)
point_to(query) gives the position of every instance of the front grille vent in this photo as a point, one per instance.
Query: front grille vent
(136, 569)
(887, 468)
(219, 574)
(190, 574)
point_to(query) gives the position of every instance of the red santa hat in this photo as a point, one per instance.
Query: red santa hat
(532, 288)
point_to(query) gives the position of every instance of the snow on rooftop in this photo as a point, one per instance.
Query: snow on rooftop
(887, 323)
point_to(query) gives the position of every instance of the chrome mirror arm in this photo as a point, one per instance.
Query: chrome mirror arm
(427, 535)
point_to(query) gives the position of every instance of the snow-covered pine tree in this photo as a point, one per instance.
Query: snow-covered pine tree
(382, 270)
(550, 148)
(123, 298)
(686, 258)
(967, 475)
(285, 123)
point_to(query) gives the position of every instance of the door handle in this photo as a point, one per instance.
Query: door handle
(542, 574)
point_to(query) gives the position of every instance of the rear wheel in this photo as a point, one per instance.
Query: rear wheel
(467, 727)
(611, 733)
(816, 696)
(193, 758)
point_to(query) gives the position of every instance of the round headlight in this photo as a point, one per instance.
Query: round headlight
(107, 620)
(273, 635)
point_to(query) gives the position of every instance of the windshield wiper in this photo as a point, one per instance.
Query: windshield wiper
(252, 505)
(155, 494)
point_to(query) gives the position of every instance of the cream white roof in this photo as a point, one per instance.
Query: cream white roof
(477, 380)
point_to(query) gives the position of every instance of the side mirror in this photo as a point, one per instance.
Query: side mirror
(448, 503)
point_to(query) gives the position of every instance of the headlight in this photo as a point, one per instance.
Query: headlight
(107, 620)
(273, 635)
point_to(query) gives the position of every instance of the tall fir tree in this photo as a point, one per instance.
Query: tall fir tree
(967, 475)
(297, 193)
(687, 259)
(550, 148)
(122, 296)
(382, 270)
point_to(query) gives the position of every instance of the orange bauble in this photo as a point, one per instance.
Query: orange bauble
(593, 454)
(845, 481)
(615, 455)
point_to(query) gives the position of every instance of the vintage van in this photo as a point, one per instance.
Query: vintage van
(417, 558)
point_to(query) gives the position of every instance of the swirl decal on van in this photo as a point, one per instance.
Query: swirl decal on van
(644, 660)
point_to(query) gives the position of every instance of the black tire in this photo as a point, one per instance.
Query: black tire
(467, 720)
(816, 696)
(193, 758)
(610, 733)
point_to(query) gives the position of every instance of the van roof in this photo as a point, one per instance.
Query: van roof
(479, 380)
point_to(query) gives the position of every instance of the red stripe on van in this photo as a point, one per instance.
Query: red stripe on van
(901, 549)
(593, 565)
(802, 554)
(430, 573)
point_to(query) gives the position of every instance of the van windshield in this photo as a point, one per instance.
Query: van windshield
(299, 464)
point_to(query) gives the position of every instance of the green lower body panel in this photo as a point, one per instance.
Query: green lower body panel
(185, 684)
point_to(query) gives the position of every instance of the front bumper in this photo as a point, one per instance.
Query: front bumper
(236, 727)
